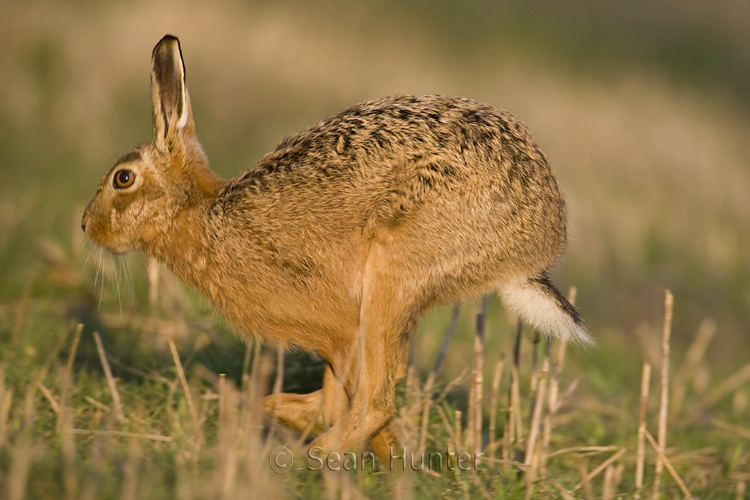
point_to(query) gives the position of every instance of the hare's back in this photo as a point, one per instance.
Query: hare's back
(426, 159)
(426, 146)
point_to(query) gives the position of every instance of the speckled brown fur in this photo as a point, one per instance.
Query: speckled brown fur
(340, 238)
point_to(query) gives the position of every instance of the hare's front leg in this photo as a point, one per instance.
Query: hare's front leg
(311, 413)
(375, 362)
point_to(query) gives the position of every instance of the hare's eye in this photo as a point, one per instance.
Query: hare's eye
(124, 179)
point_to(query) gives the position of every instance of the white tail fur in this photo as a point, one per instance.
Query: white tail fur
(542, 306)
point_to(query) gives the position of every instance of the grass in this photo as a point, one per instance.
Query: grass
(175, 415)
(648, 142)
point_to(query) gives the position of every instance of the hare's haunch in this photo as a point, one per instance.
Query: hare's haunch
(340, 238)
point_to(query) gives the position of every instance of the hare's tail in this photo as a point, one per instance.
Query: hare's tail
(541, 305)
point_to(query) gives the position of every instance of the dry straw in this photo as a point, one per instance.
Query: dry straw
(6, 399)
(492, 447)
(641, 452)
(474, 420)
(110, 379)
(727, 387)
(664, 399)
(186, 390)
(513, 429)
(663, 459)
(602, 466)
(532, 455)
(689, 368)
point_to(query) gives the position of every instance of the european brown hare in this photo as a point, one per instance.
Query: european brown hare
(340, 238)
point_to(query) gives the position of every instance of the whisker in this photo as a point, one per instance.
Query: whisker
(101, 282)
(130, 279)
(116, 277)
(127, 278)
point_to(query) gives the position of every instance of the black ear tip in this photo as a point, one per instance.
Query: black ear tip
(169, 38)
(167, 41)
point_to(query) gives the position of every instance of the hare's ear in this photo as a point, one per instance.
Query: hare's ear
(168, 90)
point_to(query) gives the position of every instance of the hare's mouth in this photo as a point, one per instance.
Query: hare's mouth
(111, 247)
(113, 242)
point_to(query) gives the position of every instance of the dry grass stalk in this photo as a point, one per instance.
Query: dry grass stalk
(70, 477)
(457, 431)
(693, 359)
(533, 451)
(740, 431)
(185, 389)
(585, 481)
(129, 487)
(729, 385)
(448, 427)
(423, 425)
(553, 400)
(457, 445)
(534, 381)
(278, 384)
(246, 363)
(42, 373)
(51, 398)
(134, 435)
(536, 418)
(475, 405)
(664, 399)
(641, 453)
(256, 464)
(6, 399)
(226, 453)
(65, 421)
(739, 490)
(222, 396)
(608, 487)
(469, 437)
(660, 453)
(617, 477)
(22, 454)
(100, 448)
(22, 457)
(561, 400)
(513, 430)
(22, 312)
(591, 475)
(97, 404)
(567, 495)
(450, 385)
(520, 466)
(110, 379)
(427, 402)
(257, 373)
(67, 377)
(589, 450)
(493, 407)
(135, 371)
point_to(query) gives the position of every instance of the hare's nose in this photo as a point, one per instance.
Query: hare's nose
(83, 222)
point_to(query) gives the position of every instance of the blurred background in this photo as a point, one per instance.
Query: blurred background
(643, 108)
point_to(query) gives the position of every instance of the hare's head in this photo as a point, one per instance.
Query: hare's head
(146, 189)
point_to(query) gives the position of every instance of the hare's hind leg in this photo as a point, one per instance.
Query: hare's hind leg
(309, 413)
(375, 361)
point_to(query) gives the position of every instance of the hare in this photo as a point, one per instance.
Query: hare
(339, 239)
